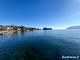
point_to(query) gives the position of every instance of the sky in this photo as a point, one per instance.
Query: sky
(40, 13)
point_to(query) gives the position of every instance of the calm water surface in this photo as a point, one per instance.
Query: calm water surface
(40, 45)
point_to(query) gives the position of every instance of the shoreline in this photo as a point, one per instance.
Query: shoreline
(12, 31)
(7, 32)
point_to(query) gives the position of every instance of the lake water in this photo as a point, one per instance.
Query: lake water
(40, 45)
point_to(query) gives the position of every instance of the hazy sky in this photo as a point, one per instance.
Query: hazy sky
(40, 13)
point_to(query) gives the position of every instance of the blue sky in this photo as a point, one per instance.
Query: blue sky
(40, 13)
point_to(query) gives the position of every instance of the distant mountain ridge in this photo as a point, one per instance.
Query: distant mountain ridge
(74, 27)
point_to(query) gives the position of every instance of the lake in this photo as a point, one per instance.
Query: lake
(40, 45)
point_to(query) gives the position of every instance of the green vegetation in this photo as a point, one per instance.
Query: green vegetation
(20, 28)
(45, 28)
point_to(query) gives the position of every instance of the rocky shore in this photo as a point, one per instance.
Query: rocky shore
(7, 32)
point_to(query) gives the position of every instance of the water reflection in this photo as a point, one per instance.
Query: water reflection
(22, 33)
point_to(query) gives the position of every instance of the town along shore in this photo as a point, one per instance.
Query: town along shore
(11, 29)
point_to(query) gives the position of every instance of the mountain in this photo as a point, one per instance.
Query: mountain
(74, 27)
